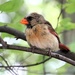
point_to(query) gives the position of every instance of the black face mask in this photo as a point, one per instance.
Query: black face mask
(29, 18)
(29, 26)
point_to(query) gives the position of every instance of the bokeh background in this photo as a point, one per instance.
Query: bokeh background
(12, 11)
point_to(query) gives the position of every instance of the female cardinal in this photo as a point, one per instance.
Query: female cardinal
(40, 34)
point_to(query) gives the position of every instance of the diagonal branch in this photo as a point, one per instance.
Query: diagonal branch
(21, 35)
(12, 31)
(8, 67)
(3, 43)
(30, 65)
(42, 52)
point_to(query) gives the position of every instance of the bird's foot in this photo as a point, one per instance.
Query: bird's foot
(49, 52)
(33, 49)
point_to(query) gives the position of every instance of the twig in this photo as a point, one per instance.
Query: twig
(46, 53)
(39, 63)
(61, 10)
(8, 68)
(3, 43)
(44, 70)
(12, 31)
(21, 35)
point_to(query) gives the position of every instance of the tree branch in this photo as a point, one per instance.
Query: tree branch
(30, 65)
(12, 31)
(21, 35)
(3, 43)
(42, 52)
(8, 67)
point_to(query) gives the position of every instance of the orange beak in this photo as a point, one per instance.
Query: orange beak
(24, 21)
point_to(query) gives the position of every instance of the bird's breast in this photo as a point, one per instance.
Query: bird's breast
(40, 37)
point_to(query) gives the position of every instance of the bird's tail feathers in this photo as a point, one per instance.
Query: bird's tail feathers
(69, 54)
(63, 48)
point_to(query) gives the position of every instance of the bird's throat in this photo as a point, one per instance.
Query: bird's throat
(29, 26)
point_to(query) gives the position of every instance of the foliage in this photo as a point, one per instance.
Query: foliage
(17, 9)
(70, 6)
(11, 6)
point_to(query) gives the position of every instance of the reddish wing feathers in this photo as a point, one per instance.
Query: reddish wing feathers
(52, 30)
(54, 33)
(61, 46)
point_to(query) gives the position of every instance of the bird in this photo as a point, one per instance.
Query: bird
(40, 34)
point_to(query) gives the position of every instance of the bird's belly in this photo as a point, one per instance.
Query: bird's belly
(42, 41)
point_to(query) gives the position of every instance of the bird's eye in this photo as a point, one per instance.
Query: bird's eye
(29, 18)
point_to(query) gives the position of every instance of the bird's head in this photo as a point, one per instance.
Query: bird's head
(33, 19)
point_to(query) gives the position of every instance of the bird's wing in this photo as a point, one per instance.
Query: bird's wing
(61, 46)
(52, 30)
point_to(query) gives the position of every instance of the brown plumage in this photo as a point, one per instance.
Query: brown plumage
(40, 33)
(40, 37)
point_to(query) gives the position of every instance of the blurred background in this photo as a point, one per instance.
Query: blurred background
(12, 11)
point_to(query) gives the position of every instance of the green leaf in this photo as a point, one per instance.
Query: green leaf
(11, 6)
(71, 0)
(70, 7)
(66, 24)
(65, 21)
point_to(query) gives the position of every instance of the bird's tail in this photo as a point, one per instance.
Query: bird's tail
(63, 48)
(69, 54)
(65, 51)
